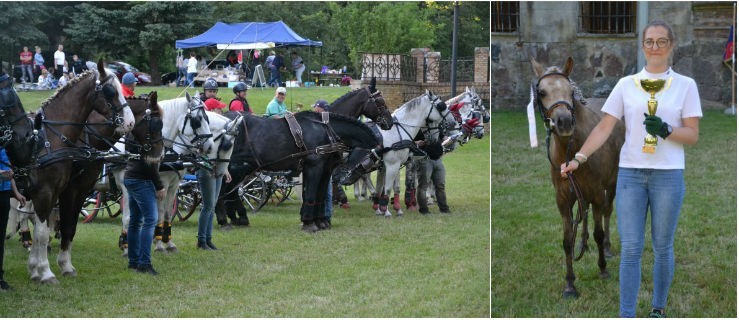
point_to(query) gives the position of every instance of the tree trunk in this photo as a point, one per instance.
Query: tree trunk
(156, 77)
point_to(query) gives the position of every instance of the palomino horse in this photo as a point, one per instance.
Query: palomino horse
(185, 132)
(366, 102)
(425, 112)
(224, 131)
(314, 150)
(569, 122)
(62, 117)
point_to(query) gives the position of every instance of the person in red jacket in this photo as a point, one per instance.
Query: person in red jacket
(239, 103)
(129, 82)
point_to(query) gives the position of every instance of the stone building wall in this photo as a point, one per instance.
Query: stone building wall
(548, 32)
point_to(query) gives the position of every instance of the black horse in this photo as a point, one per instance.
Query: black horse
(19, 138)
(366, 102)
(269, 144)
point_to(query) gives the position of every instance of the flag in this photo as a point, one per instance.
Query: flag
(729, 48)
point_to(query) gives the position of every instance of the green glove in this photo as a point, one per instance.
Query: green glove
(656, 127)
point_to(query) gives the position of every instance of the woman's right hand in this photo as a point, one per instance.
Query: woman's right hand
(570, 166)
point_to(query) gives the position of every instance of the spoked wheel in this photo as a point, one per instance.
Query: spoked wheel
(282, 188)
(186, 204)
(254, 192)
(108, 202)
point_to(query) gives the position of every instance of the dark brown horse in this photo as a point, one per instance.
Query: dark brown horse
(60, 120)
(145, 139)
(569, 122)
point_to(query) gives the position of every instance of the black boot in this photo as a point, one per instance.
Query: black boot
(203, 246)
(210, 245)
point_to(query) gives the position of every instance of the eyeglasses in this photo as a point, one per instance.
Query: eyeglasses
(661, 43)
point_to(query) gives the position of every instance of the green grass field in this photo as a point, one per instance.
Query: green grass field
(366, 266)
(528, 267)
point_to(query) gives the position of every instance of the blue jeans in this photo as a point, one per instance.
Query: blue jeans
(329, 202)
(27, 73)
(274, 77)
(190, 79)
(210, 187)
(181, 75)
(662, 192)
(142, 203)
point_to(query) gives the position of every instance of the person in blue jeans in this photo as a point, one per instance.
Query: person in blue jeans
(210, 187)
(7, 190)
(648, 181)
(144, 189)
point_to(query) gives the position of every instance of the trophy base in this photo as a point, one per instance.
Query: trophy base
(648, 149)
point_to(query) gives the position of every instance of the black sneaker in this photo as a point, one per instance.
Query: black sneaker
(4, 286)
(147, 269)
(656, 313)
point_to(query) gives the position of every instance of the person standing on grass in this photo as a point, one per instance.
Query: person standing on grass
(648, 181)
(144, 189)
(26, 58)
(192, 69)
(7, 190)
(60, 61)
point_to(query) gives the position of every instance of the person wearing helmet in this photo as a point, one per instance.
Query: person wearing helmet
(239, 103)
(129, 82)
(210, 90)
(277, 108)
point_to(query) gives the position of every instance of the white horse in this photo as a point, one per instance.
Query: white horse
(185, 130)
(224, 133)
(426, 112)
(470, 113)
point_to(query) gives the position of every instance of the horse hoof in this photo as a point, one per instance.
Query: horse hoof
(604, 275)
(608, 253)
(570, 294)
(72, 273)
(125, 253)
(51, 280)
(172, 250)
(388, 214)
(379, 213)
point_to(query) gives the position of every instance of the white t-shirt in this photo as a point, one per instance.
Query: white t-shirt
(629, 102)
(192, 65)
(59, 58)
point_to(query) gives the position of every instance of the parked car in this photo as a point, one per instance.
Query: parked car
(120, 68)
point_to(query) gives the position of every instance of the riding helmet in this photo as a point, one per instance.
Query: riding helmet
(210, 84)
(240, 87)
(129, 78)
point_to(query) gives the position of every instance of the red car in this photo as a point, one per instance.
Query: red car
(120, 68)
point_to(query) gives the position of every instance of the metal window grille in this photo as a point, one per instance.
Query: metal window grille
(505, 16)
(608, 17)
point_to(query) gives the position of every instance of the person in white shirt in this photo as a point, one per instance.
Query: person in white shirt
(60, 61)
(648, 182)
(192, 69)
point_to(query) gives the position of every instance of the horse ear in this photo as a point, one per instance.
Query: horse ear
(153, 96)
(187, 96)
(568, 67)
(538, 70)
(373, 85)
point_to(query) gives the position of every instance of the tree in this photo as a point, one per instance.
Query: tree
(155, 25)
(18, 27)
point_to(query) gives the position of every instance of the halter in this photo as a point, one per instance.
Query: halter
(6, 124)
(195, 124)
(109, 93)
(231, 130)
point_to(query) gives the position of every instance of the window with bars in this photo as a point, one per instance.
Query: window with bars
(608, 17)
(505, 16)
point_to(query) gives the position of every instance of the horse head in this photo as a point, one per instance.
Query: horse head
(554, 95)
(147, 132)
(225, 131)
(197, 124)
(19, 137)
(377, 110)
(112, 103)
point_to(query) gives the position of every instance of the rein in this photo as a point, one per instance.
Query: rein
(546, 113)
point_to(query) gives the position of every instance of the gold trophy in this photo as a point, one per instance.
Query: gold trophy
(652, 87)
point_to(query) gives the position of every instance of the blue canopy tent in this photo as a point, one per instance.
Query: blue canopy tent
(247, 35)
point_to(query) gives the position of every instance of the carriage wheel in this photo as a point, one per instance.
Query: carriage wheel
(186, 204)
(109, 202)
(282, 194)
(254, 192)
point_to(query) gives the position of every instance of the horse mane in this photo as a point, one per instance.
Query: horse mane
(84, 76)
(336, 116)
(346, 96)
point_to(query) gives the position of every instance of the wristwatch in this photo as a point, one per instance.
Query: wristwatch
(669, 130)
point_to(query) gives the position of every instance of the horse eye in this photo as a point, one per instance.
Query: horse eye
(195, 122)
(542, 93)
